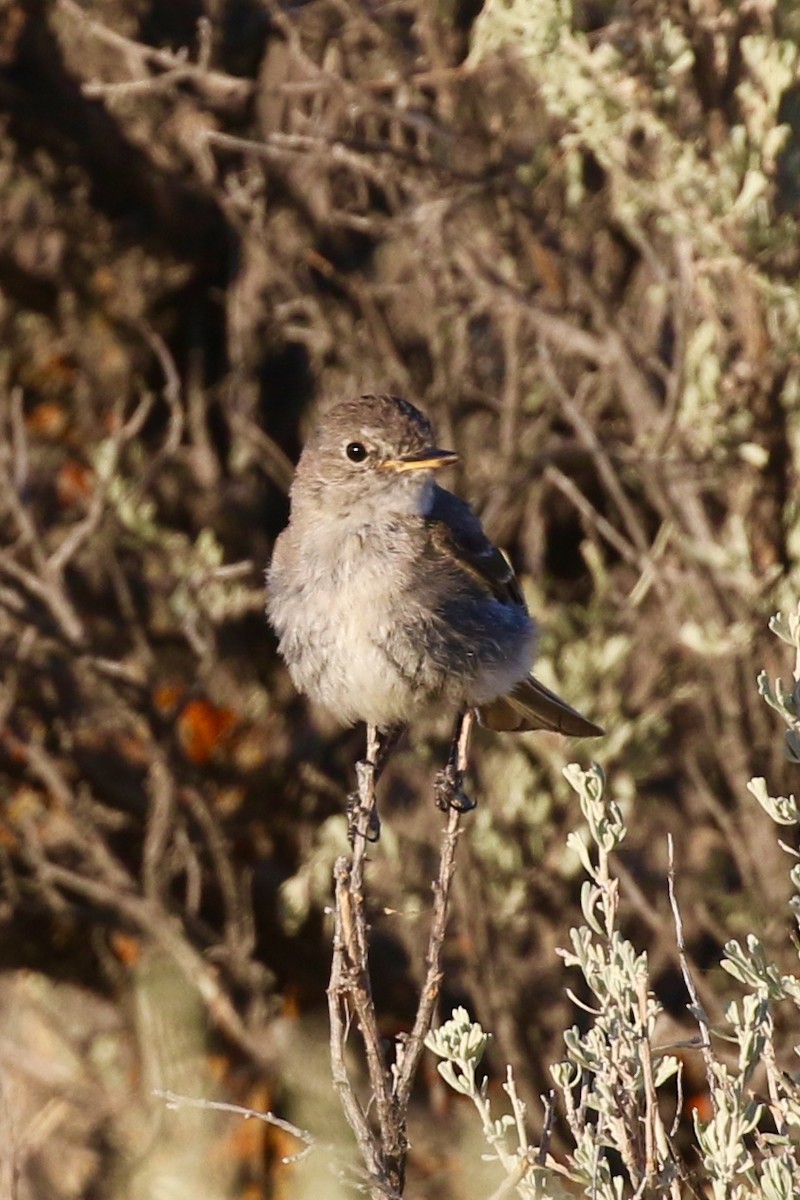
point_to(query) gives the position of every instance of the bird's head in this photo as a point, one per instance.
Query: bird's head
(376, 451)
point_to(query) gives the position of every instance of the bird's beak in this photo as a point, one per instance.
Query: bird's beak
(429, 459)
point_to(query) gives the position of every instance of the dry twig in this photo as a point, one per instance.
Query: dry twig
(384, 1149)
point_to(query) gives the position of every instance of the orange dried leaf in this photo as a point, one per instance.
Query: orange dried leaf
(127, 948)
(167, 697)
(700, 1103)
(218, 1067)
(291, 1003)
(8, 838)
(74, 483)
(203, 729)
(47, 420)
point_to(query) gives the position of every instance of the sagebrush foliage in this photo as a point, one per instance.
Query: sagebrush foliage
(566, 231)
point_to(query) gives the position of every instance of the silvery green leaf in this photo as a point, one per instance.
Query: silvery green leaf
(573, 773)
(566, 1075)
(750, 966)
(455, 1079)
(776, 1180)
(589, 783)
(591, 898)
(472, 1043)
(782, 809)
(774, 1141)
(790, 986)
(609, 830)
(578, 846)
(786, 627)
(435, 1044)
(765, 690)
(456, 1035)
(665, 1068)
(579, 1051)
(751, 1116)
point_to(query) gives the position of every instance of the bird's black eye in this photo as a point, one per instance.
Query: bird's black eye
(356, 451)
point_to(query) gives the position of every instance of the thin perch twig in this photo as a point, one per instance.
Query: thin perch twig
(383, 1145)
(412, 1051)
(350, 990)
(696, 1008)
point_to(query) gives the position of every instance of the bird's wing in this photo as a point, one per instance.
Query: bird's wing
(531, 705)
(456, 534)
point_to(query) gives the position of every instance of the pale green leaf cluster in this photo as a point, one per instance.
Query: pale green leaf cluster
(606, 1064)
(677, 191)
(750, 1146)
(460, 1044)
(309, 886)
(612, 1062)
(200, 587)
(785, 700)
(706, 194)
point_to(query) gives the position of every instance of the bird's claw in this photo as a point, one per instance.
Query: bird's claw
(448, 791)
(355, 811)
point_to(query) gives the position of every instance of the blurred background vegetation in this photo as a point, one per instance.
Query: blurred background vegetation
(568, 231)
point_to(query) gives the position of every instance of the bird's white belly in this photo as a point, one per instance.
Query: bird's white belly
(337, 628)
(358, 680)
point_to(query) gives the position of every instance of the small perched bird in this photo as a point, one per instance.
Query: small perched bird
(388, 599)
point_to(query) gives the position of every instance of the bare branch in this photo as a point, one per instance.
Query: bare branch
(216, 85)
(696, 1008)
(175, 1100)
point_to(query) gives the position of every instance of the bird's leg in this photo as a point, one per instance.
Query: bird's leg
(448, 787)
(362, 811)
(387, 740)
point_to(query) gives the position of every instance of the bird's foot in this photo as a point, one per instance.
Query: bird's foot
(357, 826)
(448, 791)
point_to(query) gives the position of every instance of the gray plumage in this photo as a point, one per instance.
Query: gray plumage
(387, 597)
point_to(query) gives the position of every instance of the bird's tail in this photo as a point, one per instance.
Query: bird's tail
(533, 706)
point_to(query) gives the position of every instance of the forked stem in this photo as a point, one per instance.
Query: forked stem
(382, 1140)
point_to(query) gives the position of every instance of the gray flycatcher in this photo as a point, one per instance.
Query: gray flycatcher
(388, 599)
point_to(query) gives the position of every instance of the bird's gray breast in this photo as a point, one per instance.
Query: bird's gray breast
(336, 601)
